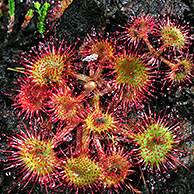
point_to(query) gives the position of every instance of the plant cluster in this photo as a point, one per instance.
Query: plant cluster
(88, 93)
(54, 13)
(42, 12)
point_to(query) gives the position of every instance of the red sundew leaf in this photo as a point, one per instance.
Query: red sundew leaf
(34, 157)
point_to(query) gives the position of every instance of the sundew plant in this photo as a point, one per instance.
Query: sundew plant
(76, 101)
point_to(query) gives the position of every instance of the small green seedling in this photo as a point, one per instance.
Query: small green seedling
(29, 15)
(11, 8)
(11, 4)
(42, 12)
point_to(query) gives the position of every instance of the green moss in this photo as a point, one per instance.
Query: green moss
(11, 8)
(42, 12)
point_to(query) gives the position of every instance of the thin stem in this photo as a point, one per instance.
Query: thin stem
(166, 61)
(106, 90)
(96, 99)
(150, 47)
(79, 140)
(157, 54)
(146, 187)
(85, 139)
(82, 77)
(98, 145)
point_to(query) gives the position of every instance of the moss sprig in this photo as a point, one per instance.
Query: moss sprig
(11, 4)
(42, 12)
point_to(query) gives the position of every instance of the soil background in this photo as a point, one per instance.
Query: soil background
(78, 20)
